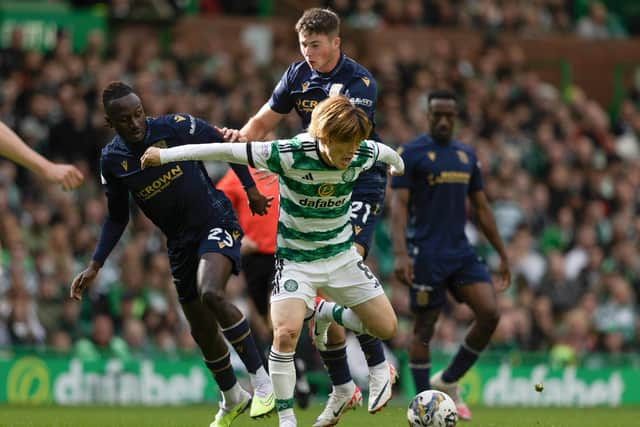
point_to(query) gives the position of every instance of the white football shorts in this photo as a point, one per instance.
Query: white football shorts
(343, 278)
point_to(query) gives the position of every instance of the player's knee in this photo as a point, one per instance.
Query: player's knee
(213, 297)
(285, 338)
(390, 331)
(424, 332)
(386, 330)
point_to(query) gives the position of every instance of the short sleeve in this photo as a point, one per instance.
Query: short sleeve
(116, 192)
(281, 100)
(192, 130)
(363, 93)
(475, 183)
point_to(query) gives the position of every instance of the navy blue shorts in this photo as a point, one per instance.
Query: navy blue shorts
(184, 261)
(433, 277)
(365, 211)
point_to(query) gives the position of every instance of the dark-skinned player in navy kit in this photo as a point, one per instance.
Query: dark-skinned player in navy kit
(203, 237)
(440, 173)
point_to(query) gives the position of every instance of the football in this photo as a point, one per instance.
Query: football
(432, 408)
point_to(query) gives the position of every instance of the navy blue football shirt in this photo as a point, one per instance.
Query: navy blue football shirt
(178, 197)
(303, 88)
(439, 177)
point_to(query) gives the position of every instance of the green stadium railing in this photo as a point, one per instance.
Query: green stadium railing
(620, 88)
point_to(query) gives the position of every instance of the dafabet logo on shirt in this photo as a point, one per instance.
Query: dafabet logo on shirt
(321, 203)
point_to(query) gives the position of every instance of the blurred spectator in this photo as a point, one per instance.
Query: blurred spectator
(12, 56)
(102, 342)
(600, 23)
(136, 337)
(617, 314)
(22, 323)
(60, 342)
(364, 16)
(563, 291)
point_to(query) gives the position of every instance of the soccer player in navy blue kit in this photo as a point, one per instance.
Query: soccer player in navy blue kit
(440, 173)
(326, 71)
(203, 237)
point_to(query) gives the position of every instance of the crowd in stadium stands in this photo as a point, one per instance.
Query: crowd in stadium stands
(562, 177)
(587, 18)
(528, 18)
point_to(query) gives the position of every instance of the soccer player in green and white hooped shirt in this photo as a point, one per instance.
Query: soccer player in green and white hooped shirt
(315, 238)
(323, 71)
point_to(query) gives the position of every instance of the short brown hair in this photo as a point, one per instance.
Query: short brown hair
(337, 119)
(318, 21)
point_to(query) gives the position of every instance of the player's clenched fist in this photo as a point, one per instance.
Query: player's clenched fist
(151, 157)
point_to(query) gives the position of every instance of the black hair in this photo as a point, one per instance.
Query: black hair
(114, 90)
(442, 94)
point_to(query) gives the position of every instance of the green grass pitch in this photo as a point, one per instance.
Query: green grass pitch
(392, 416)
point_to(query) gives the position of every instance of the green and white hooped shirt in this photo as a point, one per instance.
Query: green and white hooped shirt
(315, 198)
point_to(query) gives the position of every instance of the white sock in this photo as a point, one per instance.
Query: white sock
(283, 377)
(261, 382)
(288, 420)
(233, 396)
(343, 316)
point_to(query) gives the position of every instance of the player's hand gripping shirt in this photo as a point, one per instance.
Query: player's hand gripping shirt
(315, 198)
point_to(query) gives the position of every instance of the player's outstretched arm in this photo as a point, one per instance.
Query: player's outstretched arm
(226, 151)
(389, 156)
(12, 147)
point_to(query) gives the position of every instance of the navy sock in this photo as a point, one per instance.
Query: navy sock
(420, 371)
(239, 335)
(222, 372)
(336, 363)
(372, 349)
(461, 363)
